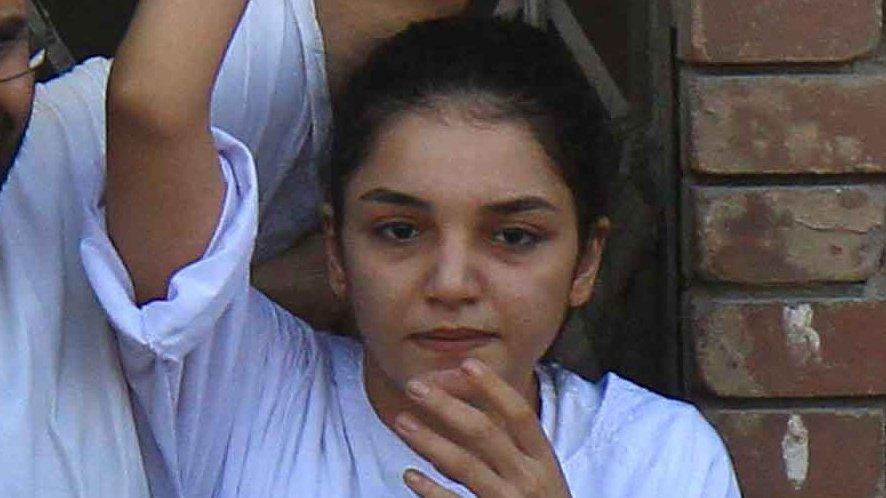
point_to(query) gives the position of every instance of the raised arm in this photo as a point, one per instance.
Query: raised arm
(164, 186)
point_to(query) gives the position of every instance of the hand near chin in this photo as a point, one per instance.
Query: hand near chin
(499, 451)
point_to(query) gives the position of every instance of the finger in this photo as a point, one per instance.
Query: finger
(424, 486)
(453, 380)
(470, 426)
(519, 417)
(449, 458)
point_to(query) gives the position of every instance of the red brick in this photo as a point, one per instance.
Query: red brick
(808, 453)
(829, 347)
(779, 235)
(785, 124)
(771, 31)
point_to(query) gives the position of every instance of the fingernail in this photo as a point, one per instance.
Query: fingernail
(417, 389)
(412, 477)
(473, 366)
(405, 423)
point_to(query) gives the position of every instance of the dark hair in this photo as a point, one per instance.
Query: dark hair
(491, 71)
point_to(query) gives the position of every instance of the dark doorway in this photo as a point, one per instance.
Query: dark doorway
(631, 327)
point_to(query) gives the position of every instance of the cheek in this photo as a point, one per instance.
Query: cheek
(377, 289)
(15, 100)
(534, 299)
(545, 291)
(15, 109)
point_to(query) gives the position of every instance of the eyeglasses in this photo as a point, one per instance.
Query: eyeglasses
(21, 55)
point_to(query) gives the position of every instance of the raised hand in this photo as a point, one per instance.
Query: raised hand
(498, 451)
(162, 162)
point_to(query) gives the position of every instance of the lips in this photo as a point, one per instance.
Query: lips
(453, 339)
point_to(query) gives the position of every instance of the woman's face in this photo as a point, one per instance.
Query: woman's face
(459, 240)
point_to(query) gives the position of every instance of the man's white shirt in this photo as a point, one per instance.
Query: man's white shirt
(66, 426)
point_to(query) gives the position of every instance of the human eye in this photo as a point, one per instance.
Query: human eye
(8, 45)
(516, 238)
(12, 43)
(10, 38)
(397, 231)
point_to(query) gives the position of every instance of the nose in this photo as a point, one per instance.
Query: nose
(452, 279)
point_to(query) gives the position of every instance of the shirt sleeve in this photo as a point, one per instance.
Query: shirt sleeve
(212, 283)
(193, 359)
(271, 95)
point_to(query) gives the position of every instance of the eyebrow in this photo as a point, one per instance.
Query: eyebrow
(12, 23)
(509, 207)
(520, 205)
(387, 196)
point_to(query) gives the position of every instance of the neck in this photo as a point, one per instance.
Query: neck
(351, 28)
(389, 399)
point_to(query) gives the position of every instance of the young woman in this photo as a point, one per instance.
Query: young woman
(468, 187)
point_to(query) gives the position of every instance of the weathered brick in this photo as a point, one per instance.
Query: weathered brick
(771, 31)
(785, 124)
(774, 235)
(829, 347)
(806, 453)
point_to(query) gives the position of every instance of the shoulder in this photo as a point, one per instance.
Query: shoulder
(91, 73)
(614, 412)
(66, 132)
(288, 331)
(292, 335)
(59, 162)
(630, 413)
(645, 444)
(345, 352)
(78, 94)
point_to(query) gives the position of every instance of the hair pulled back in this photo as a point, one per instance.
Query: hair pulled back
(489, 71)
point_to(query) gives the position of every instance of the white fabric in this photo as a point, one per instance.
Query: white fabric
(66, 427)
(236, 397)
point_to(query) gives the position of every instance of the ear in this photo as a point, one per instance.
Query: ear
(334, 264)
(589, 264)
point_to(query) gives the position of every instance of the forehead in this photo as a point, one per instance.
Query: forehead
(13, 8)
(433, 155)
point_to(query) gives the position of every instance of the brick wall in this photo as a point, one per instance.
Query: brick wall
(783, 131)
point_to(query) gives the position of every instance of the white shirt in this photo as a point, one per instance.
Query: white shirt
(236, 397)
(66, 426)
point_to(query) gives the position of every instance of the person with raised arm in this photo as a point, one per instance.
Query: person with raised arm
(468, 190)
(66, 426)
